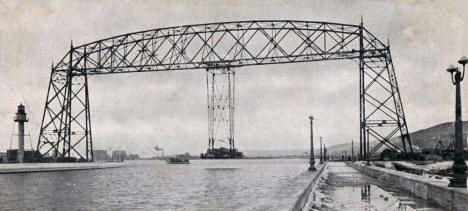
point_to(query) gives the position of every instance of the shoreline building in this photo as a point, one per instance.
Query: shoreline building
(100, 155)
(133, 157)
(119, 155)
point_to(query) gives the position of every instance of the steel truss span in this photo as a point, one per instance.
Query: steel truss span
(66, 122)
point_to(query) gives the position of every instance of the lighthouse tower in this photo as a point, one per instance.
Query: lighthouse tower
(21, 118)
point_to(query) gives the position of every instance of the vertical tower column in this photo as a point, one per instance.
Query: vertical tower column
(21, 118)
(362, 100)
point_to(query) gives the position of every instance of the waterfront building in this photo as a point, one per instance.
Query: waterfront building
(119, 155)
(100, 155)
(3, 157)
(133, 157)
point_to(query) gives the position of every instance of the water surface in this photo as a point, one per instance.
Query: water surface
(343, 188)
(155, 185)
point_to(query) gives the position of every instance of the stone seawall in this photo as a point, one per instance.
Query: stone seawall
(13, 168)
(304, 196)
(420, 186)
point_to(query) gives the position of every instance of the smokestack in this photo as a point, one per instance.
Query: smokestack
(21, 119)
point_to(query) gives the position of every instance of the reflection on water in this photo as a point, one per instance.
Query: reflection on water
(346, 189)
(374, 198)
(365, 195)
(220, 169)
(150, 185)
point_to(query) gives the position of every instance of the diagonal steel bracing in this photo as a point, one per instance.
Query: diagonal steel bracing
(215, 47)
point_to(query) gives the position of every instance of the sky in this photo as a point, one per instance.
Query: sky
(135, 112)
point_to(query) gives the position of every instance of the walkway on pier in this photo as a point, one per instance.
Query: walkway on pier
(343, 188)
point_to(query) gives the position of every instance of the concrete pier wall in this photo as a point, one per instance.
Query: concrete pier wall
(304, 195)
(420, 186)
(13, 168)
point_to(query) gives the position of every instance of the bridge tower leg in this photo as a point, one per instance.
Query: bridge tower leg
(66, 124)
(362, 102)
(381, 109)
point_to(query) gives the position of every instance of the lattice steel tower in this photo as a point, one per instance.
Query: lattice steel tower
(220, 90)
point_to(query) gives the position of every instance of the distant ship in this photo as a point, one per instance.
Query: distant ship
(177, 160)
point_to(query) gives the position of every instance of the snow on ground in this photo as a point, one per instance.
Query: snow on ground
(436, 166)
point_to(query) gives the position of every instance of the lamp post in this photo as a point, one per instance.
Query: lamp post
(321, 155)
(312, 160)
(367, 148)
(459, 165)
(325, 156)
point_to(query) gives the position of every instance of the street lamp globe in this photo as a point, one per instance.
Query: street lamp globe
(463, 60)
(451, 69)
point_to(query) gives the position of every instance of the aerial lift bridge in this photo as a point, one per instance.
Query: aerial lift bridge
(219, 49)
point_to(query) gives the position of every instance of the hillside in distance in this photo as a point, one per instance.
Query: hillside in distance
(421, 139)
(429, 137)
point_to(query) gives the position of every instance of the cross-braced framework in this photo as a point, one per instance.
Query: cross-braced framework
(220, 89)
(68, 130)
(66, 123)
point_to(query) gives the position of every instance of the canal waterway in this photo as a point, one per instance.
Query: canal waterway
(343, 188)
(155, 185)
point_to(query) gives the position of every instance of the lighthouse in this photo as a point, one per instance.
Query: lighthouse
(21, 118)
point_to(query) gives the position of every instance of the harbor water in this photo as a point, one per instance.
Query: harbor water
(155, 185)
